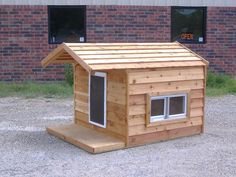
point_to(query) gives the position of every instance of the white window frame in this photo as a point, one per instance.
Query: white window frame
(104, 75)
(166, 115)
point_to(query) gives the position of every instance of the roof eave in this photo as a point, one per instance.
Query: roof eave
(203, 60)
(52, 57)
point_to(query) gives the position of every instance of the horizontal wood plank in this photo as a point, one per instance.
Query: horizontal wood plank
(80, 96)
(145, 65)
(115, 97)
(81, 116)
(121, 48)
(85, 138)
(139, 119)
(163, 135)
(169, 74)
(158, 54)
(195, 112)
(197, 93)
(142, 129)
(99, 129)
(135, 89)
(158, 50)
(123, 44)
(81, 106)
(197, 103)
(64, 61)
(139, 60)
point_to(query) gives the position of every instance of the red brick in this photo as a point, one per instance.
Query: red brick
(24, 36)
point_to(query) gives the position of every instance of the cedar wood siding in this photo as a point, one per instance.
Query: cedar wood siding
(142, 82)
(116, 102)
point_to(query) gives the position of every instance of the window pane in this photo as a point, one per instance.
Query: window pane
(188, 24)
(157, 107)
(66, 24)
(176, 105)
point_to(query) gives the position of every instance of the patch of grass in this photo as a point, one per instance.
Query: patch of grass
(220, 84)
(32, 90)
(69, 74)
(217, 85)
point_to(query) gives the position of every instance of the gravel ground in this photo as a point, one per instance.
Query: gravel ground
(27, 150)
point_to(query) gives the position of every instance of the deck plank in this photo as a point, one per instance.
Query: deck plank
(85, 138)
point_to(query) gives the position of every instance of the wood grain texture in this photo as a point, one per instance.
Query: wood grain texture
(122, 44)
(106, 56)
(135, 70)
(108, 130)
(116, 102)
(85, 138)
(81, 89)
(163, 135)
(144, 65)
(124, 61)
(111, 48)
(204, 98)
(115, 125)
(166, 75)
(164, 81)
(132, 50)
(142, 129)
(142, 56)
(155, 87)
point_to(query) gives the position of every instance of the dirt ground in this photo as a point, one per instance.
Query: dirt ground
(27, 150)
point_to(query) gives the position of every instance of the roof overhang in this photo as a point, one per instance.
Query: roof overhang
(106, 56)
(63, 54)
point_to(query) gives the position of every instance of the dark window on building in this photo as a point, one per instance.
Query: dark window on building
(66, 24)
(177, 105)
(188, 24)
(158, 107)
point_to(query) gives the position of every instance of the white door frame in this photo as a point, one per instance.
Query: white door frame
(104, 75)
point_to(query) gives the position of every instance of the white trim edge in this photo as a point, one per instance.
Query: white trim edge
(104, 75)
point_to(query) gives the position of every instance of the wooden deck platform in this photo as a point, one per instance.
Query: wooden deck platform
(85, 138)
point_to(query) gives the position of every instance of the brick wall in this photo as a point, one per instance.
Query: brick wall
(220, 48)
(128, 24)
(23, 43)
(24, 36)
(152, 24)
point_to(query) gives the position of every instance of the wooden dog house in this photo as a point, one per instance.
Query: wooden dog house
(129, 94)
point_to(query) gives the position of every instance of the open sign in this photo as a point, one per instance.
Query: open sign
(186, 36)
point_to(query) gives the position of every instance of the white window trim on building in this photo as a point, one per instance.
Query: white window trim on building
(167, 115)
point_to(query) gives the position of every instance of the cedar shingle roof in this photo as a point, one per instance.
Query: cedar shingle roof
(104, 56)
